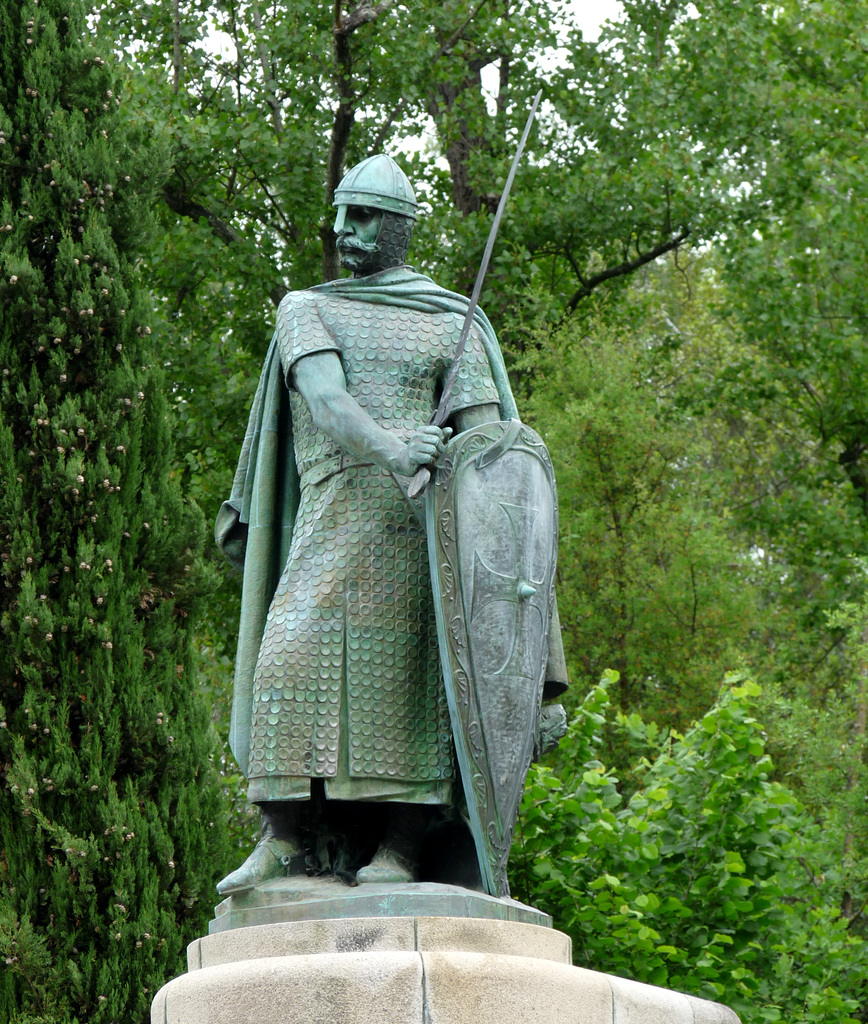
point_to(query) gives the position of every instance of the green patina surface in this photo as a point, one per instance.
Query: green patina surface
(339, 680)
(319, 899)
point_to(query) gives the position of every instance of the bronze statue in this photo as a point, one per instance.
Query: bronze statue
(341, 721)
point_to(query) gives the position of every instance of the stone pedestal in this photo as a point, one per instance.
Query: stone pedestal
(413, 969)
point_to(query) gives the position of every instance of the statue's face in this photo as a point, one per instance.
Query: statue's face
(358, 228)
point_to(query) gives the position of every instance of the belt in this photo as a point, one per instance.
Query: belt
(323, 470)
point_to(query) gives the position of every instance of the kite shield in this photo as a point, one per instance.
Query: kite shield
(492, 543)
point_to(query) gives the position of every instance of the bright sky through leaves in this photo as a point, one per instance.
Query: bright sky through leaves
(590, 14)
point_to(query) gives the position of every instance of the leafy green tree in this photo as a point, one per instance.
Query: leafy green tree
(785, 505)
(781, 394)
(709, 877)
(797, 299)
(110, 807)
(778, 383)
(651, 582)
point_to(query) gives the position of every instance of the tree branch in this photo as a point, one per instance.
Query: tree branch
(381, 135)
(626, 268)
(291, 232)
(572, 262)
(345, 116)
(186, 207)
(503, 86)
(456, 35)
(441, 52)
(361, 15)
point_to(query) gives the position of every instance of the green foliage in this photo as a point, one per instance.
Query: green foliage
(110, 806)
(708, 877)
(823, 751)
(650, 581)
(785, 395)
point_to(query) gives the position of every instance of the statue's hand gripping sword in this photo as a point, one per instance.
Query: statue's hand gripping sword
(441, 413)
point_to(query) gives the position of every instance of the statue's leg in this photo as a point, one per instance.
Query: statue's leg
(397, 858)
(279, 851)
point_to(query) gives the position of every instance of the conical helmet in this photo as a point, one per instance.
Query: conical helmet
(380, 183)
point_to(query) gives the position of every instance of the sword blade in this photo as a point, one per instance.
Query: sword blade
(441, 414)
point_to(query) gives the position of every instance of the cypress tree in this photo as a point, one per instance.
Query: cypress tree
(110, 838)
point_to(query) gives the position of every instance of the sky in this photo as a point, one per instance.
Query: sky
(590, 14)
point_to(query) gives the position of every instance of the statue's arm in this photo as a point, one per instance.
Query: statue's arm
(319, 379)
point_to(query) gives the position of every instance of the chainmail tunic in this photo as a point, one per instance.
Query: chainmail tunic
(348, 684)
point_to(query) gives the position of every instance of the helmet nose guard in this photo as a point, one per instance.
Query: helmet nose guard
(377, 182)
(340, 219)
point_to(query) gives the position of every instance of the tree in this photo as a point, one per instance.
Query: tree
(625, 165)
(780, 381)
(707, 876)
(651, 581)
(110, 809)
(797, 299)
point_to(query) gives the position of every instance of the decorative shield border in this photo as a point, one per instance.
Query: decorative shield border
(471, 450)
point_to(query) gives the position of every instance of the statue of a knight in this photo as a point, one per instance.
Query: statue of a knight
(342, 718)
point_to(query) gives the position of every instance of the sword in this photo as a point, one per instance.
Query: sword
(441, 413)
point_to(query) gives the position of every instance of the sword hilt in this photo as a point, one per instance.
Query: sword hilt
(422, 477)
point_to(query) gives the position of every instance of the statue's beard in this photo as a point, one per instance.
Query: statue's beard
(355, 255)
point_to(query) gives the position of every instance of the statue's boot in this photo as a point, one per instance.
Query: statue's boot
(278, 853)
(397, 857)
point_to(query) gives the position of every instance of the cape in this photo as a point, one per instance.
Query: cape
(254, 527)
